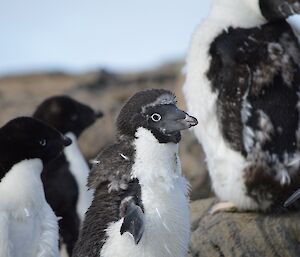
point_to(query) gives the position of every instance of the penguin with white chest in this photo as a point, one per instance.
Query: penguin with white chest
(243, 85)
(28, 226)
(141, 206)
(66, 178)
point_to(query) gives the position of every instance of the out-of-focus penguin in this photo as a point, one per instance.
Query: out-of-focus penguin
(242, 84)
(141, 205)
(65, 179)
(28, 225)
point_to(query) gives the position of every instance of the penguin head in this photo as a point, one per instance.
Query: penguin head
(26, 138)
(66, 114)
(156, 111)
(279, 9)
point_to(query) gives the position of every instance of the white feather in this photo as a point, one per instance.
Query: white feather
(236, 13)
(28, 226)
(165, 201)
(124, 157)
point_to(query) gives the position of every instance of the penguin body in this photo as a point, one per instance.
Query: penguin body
(66, 178)
(160, 193)
(243, 84)
(28, 225)
(141, 203)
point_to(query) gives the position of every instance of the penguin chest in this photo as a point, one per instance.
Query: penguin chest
(25, 232)
(28, 226)
(80, 171)
(167, 226)
(167, 229)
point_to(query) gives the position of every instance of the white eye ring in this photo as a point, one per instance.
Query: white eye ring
(43, 142)
(156, 117)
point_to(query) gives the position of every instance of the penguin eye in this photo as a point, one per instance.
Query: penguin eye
(74, 117)
(43, 142)
(156, 117)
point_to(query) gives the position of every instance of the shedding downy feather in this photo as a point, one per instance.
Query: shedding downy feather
(164, 196)
(242, 84)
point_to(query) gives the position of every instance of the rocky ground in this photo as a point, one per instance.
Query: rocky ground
(243, 234)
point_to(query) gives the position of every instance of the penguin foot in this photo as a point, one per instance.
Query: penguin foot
(223, 207)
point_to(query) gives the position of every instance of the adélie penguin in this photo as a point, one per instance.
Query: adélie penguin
(242, 84)
(65, 179)
(28, 225)
(141, 205)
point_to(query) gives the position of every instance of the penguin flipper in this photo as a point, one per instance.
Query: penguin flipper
(133, 222)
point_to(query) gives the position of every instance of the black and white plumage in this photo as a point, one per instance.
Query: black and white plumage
(65, 178)
(140, 207)
(243, 82)
(28, 226)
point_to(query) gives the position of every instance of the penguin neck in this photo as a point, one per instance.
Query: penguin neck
(154, 162)
(76, 160)
(237, 13)
(72, 149)
(22, 187)
(80, 170)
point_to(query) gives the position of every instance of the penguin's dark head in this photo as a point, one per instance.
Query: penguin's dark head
(26, 138)
(279, 9)
(66, 114)
(154, 110)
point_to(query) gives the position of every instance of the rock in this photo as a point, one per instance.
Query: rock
(243, 234)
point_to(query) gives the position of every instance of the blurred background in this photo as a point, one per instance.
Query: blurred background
(78, 36)
(99, 52)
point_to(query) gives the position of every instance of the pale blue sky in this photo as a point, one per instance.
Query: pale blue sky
(79, 35)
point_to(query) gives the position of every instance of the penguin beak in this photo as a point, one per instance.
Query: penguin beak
(98, 114)
(176, 120)
(189, 121)
(67, 141)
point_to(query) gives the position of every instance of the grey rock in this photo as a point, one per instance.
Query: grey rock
(243, 234)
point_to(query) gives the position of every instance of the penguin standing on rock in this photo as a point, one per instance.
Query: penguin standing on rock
(243, 85)
(65, 179)
(28, 226)
(140, 206)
